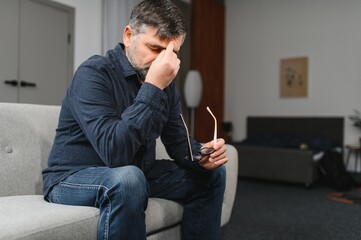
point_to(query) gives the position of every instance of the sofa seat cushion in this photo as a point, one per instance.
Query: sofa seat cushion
(31, 217)
(162, 214)
(35, 218)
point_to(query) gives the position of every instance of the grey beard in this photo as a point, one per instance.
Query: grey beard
(142, 72)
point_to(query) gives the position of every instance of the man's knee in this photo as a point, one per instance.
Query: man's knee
(128, 181)
(219, 176)
(222, 173)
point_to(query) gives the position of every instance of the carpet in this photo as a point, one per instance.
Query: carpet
(266, 210)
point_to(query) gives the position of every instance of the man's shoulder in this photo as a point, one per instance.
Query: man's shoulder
(99, 64)
(97, 61)
(113, 59)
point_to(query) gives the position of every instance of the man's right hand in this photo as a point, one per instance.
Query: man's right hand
(217, 158)
(164, 68)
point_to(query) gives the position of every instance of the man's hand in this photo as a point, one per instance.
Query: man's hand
(216, 159)
(164, 68)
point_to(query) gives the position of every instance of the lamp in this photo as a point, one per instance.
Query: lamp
(193, 93)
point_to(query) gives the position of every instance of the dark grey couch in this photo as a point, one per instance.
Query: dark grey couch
(281, 163)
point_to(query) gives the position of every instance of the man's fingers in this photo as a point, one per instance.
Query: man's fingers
(164, 67)
(169, 50)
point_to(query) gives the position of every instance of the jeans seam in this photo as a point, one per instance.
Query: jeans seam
(82, 186)
(91, 186)
(108, 213)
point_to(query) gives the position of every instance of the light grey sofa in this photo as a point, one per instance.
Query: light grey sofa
(26, 136)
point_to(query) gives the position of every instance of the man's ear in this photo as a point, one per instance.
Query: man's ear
(127, 36)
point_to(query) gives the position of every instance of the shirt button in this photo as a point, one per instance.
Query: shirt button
(8, 149)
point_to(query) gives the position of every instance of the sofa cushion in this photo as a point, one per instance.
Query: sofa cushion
(30, 217)
(38, 219)
(27, 133)
(161, 214)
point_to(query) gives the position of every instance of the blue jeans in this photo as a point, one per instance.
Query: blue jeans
(122, 194)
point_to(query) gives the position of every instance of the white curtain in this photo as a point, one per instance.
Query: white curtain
(116, 14)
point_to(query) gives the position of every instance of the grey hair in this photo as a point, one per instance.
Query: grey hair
(162, 15)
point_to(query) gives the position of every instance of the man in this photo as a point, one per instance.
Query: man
(104, 150)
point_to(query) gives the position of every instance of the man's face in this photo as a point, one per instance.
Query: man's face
(143, 48)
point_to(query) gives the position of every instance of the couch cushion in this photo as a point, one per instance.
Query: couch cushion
(30, 217)
(162, 214)
(27, 132)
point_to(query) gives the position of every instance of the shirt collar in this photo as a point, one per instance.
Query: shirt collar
(128, 70)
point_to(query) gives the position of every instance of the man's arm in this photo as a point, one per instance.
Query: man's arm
(116, 124)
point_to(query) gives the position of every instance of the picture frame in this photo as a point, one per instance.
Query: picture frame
(294, 77)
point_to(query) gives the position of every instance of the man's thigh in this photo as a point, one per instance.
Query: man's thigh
(178, 183)
(86, 186)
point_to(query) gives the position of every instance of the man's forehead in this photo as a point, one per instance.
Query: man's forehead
(163, 45)
(155, 40)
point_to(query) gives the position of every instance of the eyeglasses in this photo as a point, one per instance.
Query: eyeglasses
(204, 151)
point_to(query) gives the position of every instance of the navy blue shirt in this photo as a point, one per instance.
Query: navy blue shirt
(109, 118)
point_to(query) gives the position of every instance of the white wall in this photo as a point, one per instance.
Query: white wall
(260, 33)
(88, 28)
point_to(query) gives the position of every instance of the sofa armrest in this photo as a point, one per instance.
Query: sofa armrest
(231, 183)
(231, 179)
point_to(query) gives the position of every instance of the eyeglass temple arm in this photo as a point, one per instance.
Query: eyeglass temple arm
(215, 126)
(188, 140)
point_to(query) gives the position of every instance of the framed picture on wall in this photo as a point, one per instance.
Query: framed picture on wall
(294, 77)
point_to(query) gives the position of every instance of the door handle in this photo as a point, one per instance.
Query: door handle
(27, 84)
(13, 83)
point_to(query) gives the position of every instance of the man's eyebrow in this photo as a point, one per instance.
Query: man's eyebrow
(154, 45)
